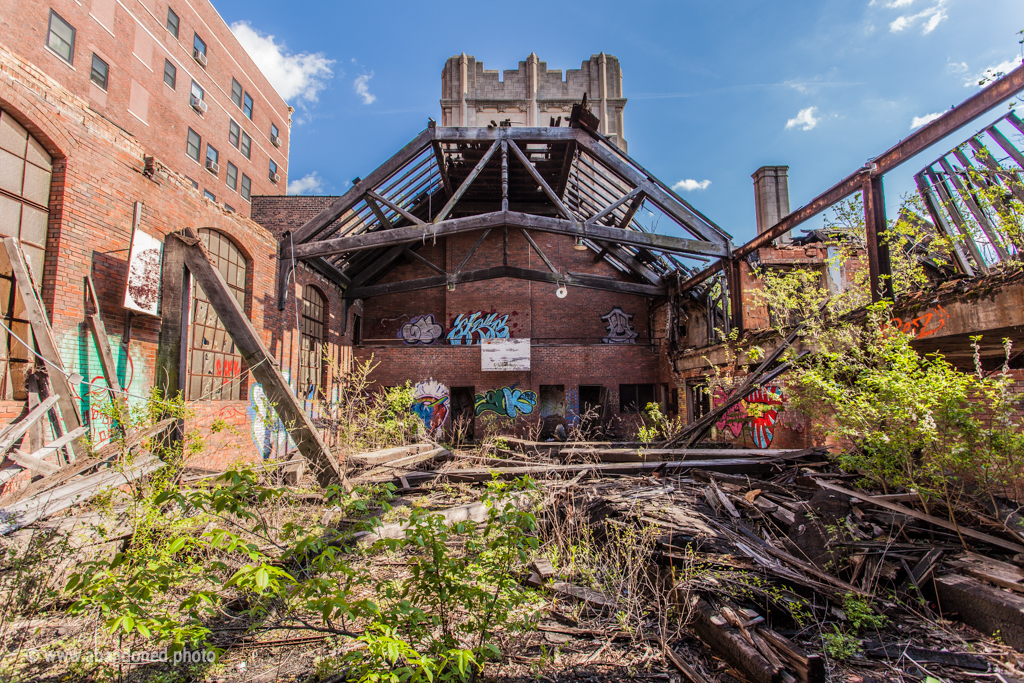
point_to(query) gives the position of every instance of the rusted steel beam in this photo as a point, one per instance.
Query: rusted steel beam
(970, 109)
(879, 265)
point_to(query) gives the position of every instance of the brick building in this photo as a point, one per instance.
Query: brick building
(86, 170)
(173, 76)
(501, 263)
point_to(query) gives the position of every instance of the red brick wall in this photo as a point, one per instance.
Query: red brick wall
(567, 347)
(135, 44)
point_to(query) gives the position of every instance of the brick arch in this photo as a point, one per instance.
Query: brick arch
(41, 119)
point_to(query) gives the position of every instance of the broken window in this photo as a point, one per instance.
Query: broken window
(215, 366)
(633, 398)
(311, 342)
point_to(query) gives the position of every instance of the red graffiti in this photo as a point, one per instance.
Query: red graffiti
(227, 368)
(924, 325)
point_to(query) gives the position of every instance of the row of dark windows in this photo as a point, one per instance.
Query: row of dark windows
(194, 147)
(61, 39)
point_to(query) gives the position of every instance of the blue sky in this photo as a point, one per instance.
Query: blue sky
(715, 89)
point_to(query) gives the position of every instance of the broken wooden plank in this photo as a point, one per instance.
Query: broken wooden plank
(99, 333)
(389, 454)
(83, 465)
(752, 465)
(590, 596)
(649, 454)
(47, 347)
(32, 463)
(809, 668)
(983, 607)
(80, 490)
(960, 660)
(921, 571)
(731, 646)
(1002, 574)
(16, 430)
(935, 521)
(261, 363)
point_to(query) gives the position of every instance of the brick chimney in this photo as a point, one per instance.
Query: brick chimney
(771, 198)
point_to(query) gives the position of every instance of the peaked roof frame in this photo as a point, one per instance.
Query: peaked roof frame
(568, 181)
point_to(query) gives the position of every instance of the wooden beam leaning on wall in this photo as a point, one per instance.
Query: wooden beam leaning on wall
(36, 313)
(261, 364)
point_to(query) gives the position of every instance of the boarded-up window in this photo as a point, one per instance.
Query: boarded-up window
(214, 365)
(311, 361)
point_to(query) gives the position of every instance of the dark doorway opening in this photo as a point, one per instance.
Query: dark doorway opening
(460, 424)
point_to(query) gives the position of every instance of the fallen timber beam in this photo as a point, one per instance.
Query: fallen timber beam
(728, 643)
(983, 607)
(260, 362)
(495, 272)
(47, 347)
(724, 465)
(935, 521)
(644, 454)
(497, 219)
(926, 136)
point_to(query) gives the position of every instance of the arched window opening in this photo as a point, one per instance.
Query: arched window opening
(25, 169)
(215, 366)
(311, 343)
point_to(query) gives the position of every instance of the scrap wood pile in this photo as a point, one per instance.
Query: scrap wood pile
(783, 569)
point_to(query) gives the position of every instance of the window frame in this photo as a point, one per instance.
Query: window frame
(177, 22)
(93, 71)
(273, 166)
(70, 59)
(246, 188)
(245, 145)
(236, 130)
(231, 179)
(247, 105)
(209, 195)
(635, 408)
(274, 131)
(236, 87)
(198, 146)
(173, 85)
(196, 86)
(200, 41)
(215, 157)
(312, 336)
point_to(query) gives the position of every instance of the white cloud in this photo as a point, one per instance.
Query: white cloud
(933, 16)
(689, 185)
(363, 90)
(295, 76)
(919, 121)
(307, 184)
(957, 67)
(989, 74)
(805, 118)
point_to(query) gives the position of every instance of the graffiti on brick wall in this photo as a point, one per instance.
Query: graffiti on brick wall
(620, 327)
(923, 325)
(421, 330)
(268, 431)
(472, 328)
(764, 412)
(506, 401)
(758, 411)
(81, 357)
(431, 403)
(100, 424)
(572, 406)
(733, 418)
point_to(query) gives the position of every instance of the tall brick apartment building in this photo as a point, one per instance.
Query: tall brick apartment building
(126, 121)
(174, 77)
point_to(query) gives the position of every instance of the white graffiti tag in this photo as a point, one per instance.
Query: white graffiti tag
(471, 329)
(421, 330)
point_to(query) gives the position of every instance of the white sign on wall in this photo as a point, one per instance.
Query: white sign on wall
(142, 293)
(502, 355)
